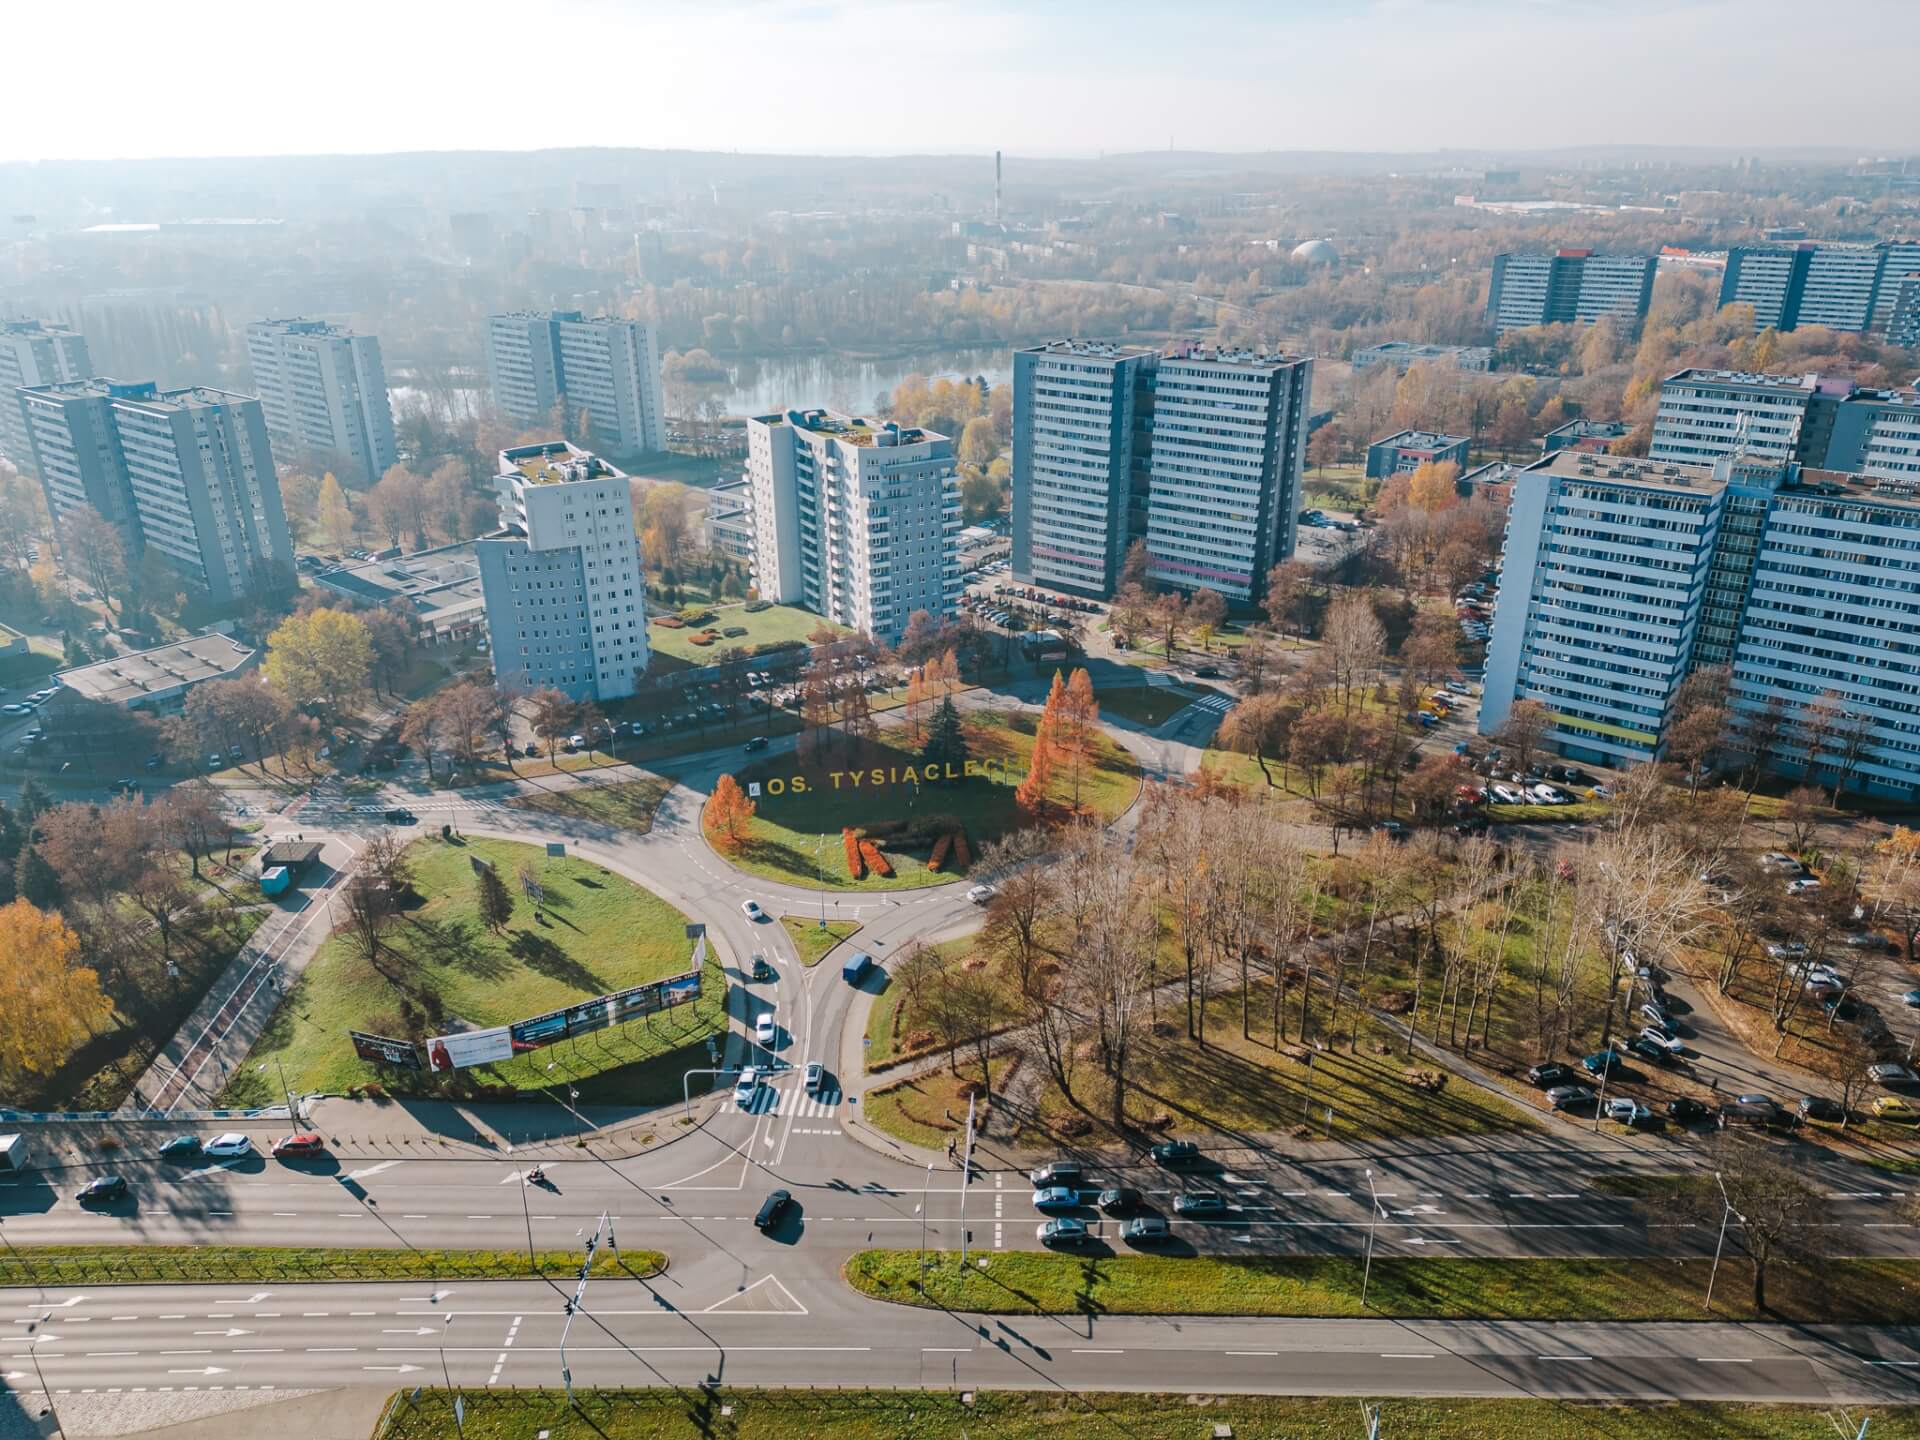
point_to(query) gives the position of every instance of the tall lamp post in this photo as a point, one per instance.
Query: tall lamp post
(1373, 1219)
(926, 1190)
(459, 1421)
(1727, 1202)
(34, 1351)
(293, 1114)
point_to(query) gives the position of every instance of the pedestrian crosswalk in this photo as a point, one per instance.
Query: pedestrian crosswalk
(1218, 704)
(807, 1107)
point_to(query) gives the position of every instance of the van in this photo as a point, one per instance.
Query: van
(856, 968)
(15, 1154)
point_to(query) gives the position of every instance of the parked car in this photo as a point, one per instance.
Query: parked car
(1889, 1072)
(746, 1087)
(1656, 1035)
(1866, 940)
(1656, 1015)
(1121, 1200)
(1059, 1172)
(181, 1147)
(1147, 1230)
(105, 1190)
(1601, 1062)
(1198, 1204)
(1786, 950)
(1649, 1051)
(1569, 1097)
(1067, 1233)
(1174, 1153)
(1685, 1111)
(1894, 1107)
(1805, 885)
(1820, 1110)
(1911, 999)
(771, 1209)
(230, 1146)
(293, 1147)
(1549, 1075)
(1056, 1197)
(1777, 860)
(1628, 1112)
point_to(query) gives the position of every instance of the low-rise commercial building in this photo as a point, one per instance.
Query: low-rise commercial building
(1621, 577)
(156, 680)
(1595, 436)
(440, 587)
(1403, 355)
(1410, 449)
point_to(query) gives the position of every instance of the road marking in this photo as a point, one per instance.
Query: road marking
(1391, 1355)
(364, 1171)
(396, 1369)
(1894, 1362)
(330, 1349)
(1520, 1195)
(968, 1350)
(1099, 1352)
(1566, 1357)
(1255, 1354)
(107, 1354)
(229, 1332)
(1708, 1360)
(257, 1352)
(186, 1352)
(284, 1214)
(1563, 1195)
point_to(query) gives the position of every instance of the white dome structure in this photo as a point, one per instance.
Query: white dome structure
(1316, 253)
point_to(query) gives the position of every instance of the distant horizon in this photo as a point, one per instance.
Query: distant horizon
(1074, 79)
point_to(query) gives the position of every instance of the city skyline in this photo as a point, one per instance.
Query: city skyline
(1687, 57)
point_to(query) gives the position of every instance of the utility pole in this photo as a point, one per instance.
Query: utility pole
(966, 1178)
(459, 1420)
(1373, 1218)
(1714, 1274)
(926, 1192)
(34, 1351)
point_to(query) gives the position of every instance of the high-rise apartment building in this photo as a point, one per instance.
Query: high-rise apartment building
(606, 367)
(323, 388)
(1197, 452)
(566, 605)
(856, 521)
(1620, 577)
(187, 473)
(1847, 287)
(33, 352)
(1824, 422)
(1568, 287)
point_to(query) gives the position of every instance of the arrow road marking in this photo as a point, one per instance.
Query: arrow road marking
(209, 1370)
(432, 1299)
(365, 1170)
(229, 1332)
(423, 1330)
(1424, 1240)
(69, 1304)
(397, 1369)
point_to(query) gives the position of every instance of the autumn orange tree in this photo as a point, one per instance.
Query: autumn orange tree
(1032, 794)
(1074, 715)
(48, 1001)
(730, 813)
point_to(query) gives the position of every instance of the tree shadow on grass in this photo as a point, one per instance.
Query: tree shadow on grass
(455, 945)
(544, 957)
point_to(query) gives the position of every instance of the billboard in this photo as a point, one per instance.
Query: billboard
(474, 1047)
(604, 1011)
(381, 1050)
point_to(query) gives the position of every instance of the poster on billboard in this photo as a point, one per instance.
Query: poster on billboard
(383, 1050)
(474, 1047)
(604, 1011)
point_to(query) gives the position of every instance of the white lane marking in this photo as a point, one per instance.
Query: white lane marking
(1390, 1355)
(1255, 1354)
(364, 1171)
(1566, 1357)
(1710, 1360)
(968, 1350)
(1099, 1352)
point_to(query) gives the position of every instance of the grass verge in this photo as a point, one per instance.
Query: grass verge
(628, 804)
(1145, 705)
(222, 1264)
(726, 1414)
(1835, 1291)
(813, 940)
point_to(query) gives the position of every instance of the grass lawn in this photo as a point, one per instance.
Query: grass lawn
(796, 834)
(628, 804)
(1579, 812)
(813, 940)
(600, 933)
(1835, 1291)
(763, 627)
(892, 1018)
(666, 1414)
(221, 1264)
(917, 1110)
(1144, 705)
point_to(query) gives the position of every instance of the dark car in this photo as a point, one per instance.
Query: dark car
(1060, 1172)
(1601, 1062)
(1686, 1112)
(761, 969)
(1821, 1110)
(1175, 1153)
(1122, 1200)
(1650, 1052)
(1549, 1075)
(181, 1147)
(771, 1209)
(1200, 1203)
(1146, 1230)
(758, 742)
(1569, 1097)
(399, 816)
(103, 1191)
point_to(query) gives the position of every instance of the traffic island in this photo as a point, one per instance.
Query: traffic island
(224, 1264)
(715, 1413)
(1830, 1291)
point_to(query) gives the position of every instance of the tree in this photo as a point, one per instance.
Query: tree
(1777, 1209)
(1206, 613)
(496, 900)
(1031, 794)
(1801, 812)
(391, 634)
(1431, 486)
(1289, 594)
(161, 895)
(1170, 620)
(95, 552)
(320, 661)
(48, 1001)
(946, 739)
(551, 713)
(1355, 645)
(36, 881)
(332, 515)
(1133, 569)
(1324, 446)
(730, 813)
(1522, 731)
(1261, 726)
(978, 444)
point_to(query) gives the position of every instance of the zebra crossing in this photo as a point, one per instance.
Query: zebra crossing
(803, 1106)
(1216, 704)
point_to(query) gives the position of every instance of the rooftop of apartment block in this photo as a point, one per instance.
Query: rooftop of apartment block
(851, 429)
(555, 462)
(1754, 379)
(299, 326)
(1782, 475)
(35, 327)
(1421, 440)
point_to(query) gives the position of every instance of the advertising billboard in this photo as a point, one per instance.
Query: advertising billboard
(474, 1047)
(605, 1011)
(382, 1050)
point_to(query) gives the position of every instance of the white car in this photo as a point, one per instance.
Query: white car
(1805, 885)
(981, 894)
(1826, 975)
(1775, 860)
(764, 1029)
(1786, 950)
(746, 1087)
(1506, 796)
(231, 1146)
(1547, 795)
(1653, 1035)
(1628, 1112)
(751, 909)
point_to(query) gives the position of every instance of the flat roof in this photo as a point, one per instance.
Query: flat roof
(1421, 440)
(126, 678)
(1756, 379)
(852, 429)
(556, 462)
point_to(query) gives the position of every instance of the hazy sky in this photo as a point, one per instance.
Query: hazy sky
(1060, 77)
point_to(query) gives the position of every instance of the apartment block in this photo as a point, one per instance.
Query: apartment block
(606, 367)
(1848, 287)
(33, 352)
(854, 520)
(1823, 422)
(729, 519)
(1409, 449)
(324, 389)
(566, 605)
(1198, 452)
(1620, 577)
(187, 473)
(1568, 287)
(1598, 436)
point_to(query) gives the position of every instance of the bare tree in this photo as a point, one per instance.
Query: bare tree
(1775, 1206)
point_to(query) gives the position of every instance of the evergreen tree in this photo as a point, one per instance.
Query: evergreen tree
(496, 900)
(36, 881)
(946, 740)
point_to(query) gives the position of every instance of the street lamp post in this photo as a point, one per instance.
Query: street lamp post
(926, 1191)
(1727, 1202)
(34, 1351)
(293, 1114)
(459, 1424)
(1373, 1219)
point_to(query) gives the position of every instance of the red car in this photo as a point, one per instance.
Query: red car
(294, 1146)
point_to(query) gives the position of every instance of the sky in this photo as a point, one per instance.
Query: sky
(112, 79)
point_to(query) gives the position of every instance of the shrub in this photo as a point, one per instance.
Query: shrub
(754, 607)
(962, 856)
(851, 843)
(940, 848)
(876, 861)
(671, 622)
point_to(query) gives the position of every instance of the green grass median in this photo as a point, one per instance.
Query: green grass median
(1833, 1291)
(722, 1414)
(813, 940)
(222, 1264)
